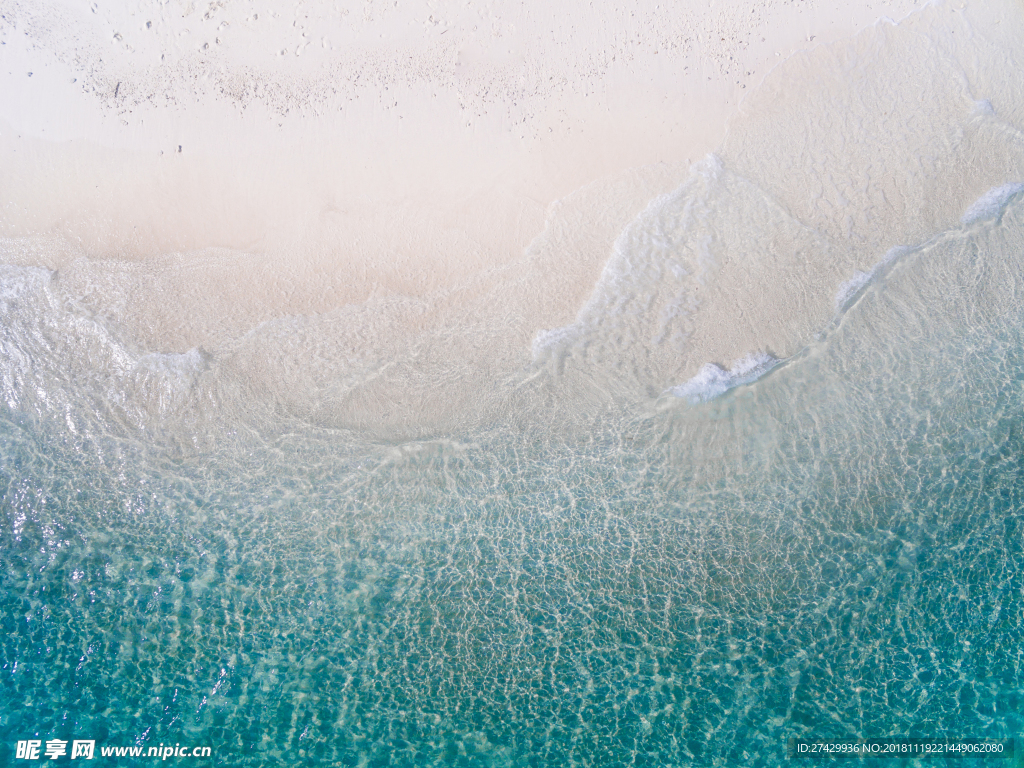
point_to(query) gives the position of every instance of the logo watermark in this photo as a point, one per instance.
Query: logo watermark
(85, 749)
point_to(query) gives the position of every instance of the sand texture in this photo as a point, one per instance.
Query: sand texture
(351, 209)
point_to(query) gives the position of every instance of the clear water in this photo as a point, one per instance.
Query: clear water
(834, 550)
(210, 549)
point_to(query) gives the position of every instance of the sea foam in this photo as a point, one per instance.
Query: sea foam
(991, 203)
(712, 380)
(849, 290)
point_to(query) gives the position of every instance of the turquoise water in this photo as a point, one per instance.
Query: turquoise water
(767, 484)
(835, 550)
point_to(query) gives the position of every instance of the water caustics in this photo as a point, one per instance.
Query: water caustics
(765, 484)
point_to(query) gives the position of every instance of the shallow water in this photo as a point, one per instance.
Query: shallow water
(600, 565)
(834, 550)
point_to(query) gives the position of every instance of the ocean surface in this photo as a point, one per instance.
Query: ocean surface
(605, 562)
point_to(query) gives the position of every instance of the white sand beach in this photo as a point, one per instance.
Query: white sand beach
(195, 172)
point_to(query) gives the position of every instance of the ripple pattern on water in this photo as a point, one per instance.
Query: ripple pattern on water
(833, 551)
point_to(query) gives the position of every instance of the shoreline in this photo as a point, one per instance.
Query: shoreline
(448, 231)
